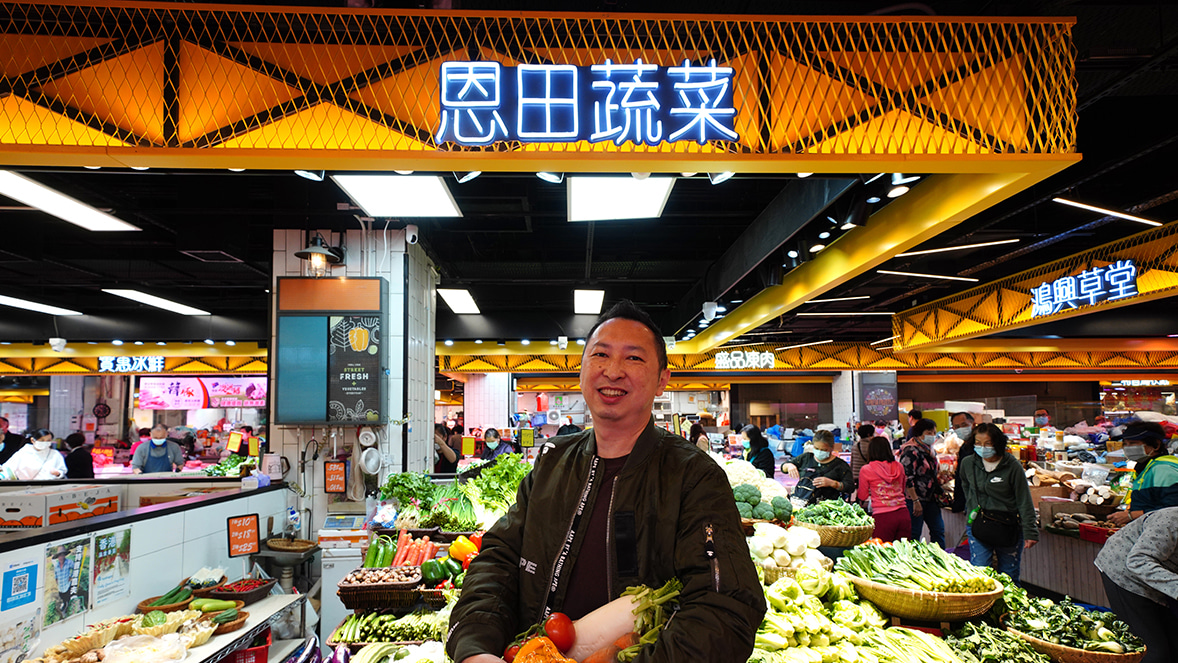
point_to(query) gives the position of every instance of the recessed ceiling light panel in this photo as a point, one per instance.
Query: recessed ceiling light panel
(613, 198)
(152, 300)
(50, 201)
(459, 301)
(405, 196)
(588, 302)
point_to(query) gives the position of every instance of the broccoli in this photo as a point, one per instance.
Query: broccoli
(783, 510)
(745, 509)
(763, 511)
(747, 493)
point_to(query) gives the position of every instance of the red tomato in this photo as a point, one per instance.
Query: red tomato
(560, 631)
(509, 655)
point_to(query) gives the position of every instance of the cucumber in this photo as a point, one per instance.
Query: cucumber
(167, 599)
(184, 595)
(197, 603)
(225, 617)
(211, 605)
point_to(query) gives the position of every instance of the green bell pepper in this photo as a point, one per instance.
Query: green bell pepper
(433, 572)
(453, 566)
(458, 579)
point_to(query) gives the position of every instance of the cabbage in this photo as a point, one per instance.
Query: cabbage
(814, 580)
(760, 547)
(773, 533)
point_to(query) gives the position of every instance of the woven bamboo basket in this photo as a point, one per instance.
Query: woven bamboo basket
(838, 536)
(290, 545)
(376, 596)
(172, 607)
(776, 573)
(233, 625)
(926, 606)
(253, 596)
(357, 646)
(1062, 654)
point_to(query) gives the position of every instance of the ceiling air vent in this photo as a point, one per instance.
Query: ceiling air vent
(211, 256)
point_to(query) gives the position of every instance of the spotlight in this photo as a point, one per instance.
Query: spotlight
(709, 310)
(525, 342)
(717, 178)
(817, 247)
(116, 342)
(873, 200)
(230, 343)
(209, 341)
(467, 176)
(313, 175)
(403, 172)
(900, 184)
(640, 176)
(897, 191)
(554, 178)
(803, 176)
(449, 342)
(792, 253)
(823, 235)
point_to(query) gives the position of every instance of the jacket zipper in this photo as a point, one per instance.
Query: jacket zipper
(609, 531)
(710, 549)
(568, 532)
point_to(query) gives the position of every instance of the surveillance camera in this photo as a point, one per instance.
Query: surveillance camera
(709, 311)
(562, 342)
(411, 234)
(669, 341)
(58, 344)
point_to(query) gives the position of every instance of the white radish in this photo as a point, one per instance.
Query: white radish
(603, 627)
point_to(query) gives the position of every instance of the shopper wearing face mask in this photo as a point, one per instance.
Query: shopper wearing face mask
(1001, 514)
(38, 461)
(962, 423)
(493, 445)
(1155, 485)
(920, 470)
(757, 450)
(1042, 418)
(821, 474)
(158, 454)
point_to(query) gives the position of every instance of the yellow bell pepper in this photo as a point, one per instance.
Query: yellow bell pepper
(463, 549)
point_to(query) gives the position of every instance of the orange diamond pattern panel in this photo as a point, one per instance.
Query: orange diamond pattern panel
(216, 77)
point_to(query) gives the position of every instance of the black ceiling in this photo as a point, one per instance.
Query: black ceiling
(521, 259)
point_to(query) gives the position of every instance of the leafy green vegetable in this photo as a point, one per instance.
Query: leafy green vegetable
(985, 644)
(835, 513)
(497, 484)
(915, 565)
(409, 488)
(1067, 624)
(452, 511)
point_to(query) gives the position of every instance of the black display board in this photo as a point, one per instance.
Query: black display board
(353, 368)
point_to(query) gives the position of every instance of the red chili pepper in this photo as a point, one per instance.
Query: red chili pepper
(244, 585)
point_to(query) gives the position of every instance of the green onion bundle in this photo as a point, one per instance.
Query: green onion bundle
(915, 565)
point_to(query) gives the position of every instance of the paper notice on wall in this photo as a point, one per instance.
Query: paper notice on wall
(67, 579)
(112, 567)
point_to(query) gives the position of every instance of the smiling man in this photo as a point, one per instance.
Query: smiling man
(622, 504)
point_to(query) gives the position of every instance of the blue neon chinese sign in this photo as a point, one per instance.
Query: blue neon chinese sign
(640, 103)
(1091, 286)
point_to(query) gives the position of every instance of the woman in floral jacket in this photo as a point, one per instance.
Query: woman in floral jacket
(920, 469)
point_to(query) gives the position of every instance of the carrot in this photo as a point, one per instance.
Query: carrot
(403, 539)
(607, 654)
(411, 558)
(627, 641)
(402, 552)
(421, 553)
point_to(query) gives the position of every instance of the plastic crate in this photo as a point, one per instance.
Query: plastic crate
(259, 654)
(1095, 534)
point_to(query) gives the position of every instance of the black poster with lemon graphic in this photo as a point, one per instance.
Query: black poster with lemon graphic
(353, 367)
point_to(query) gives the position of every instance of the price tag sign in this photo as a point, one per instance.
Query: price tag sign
(234, 443)
(243, 535)
(527, 437)
(254, 444)
(335, 477)
(678, 424)
(104, 451)
(467, 445)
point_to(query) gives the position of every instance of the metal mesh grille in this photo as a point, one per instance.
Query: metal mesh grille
(201, 77)
(1008, 303)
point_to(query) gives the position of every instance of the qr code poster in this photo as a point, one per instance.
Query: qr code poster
(67, 579)
(19, 586)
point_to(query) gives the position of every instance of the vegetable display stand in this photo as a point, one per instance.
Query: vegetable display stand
(926, 606)
(354, 647)
(144, 606)
(840, 536)
(1062, 654)
(776, 573)
(376, 596)
(258, 593)
(204, 592)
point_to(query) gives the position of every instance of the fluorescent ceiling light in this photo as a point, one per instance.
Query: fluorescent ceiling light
(34, 194)
(313, 175)
(588, 302)
(928, 276)
(957, 248)
(609, 198)
(1109, 212)
(803, 345)
(34, 306)
(883, 340)
(152, 300)
(838, 299)
(459, 301)
(404, 196)
(816, 315)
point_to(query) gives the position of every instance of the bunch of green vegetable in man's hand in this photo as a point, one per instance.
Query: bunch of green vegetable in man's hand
(833, 513)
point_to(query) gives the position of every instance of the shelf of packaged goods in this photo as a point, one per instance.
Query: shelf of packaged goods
(262, 614)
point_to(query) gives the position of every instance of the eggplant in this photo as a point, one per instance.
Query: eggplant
(341, 655)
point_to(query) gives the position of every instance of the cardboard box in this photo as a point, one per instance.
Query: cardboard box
(1039, 492)
(148, 500)
(1047, 510)
(40, 507)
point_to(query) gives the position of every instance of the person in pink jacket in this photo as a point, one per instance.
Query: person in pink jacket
(882, 480)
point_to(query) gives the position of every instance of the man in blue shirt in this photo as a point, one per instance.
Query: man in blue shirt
(63, 571)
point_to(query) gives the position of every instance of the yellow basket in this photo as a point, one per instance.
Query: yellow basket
(776, 573)
(838, 536)
(926, 606)
(1062, 654)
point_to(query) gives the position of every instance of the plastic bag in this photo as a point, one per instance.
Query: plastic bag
(138, 648)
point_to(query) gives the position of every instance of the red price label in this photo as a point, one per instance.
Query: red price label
(104, 451)
(243, 535)
(335, 477)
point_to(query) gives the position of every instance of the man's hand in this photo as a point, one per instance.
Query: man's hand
(1120, 518)
(917, 508)
(791, 470)
(1029, 543)
(483, 658)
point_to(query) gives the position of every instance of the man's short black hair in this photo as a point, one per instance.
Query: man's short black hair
(627, 310)
(923, 425)
(968, 416)
(75, 440)
(915, 414)
(865, 431)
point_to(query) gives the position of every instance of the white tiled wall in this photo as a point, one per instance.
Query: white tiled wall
(487, 401)
(65, 401)
(164, 550)
(843, 400)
